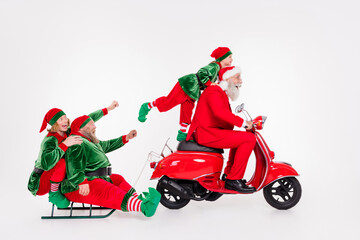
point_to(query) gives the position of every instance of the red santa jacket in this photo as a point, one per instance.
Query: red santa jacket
(213, 119)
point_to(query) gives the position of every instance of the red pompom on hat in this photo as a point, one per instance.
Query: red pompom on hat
(51, 117)
(228, 72)
(79, 123)
(221, 53)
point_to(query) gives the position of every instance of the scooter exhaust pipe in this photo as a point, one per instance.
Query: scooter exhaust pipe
(173, 187)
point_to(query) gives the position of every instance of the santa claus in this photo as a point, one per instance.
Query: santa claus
(213, 125)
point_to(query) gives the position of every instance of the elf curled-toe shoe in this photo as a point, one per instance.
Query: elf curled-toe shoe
(58, 199)
(144, 110)
(181, 136)
(150, 203)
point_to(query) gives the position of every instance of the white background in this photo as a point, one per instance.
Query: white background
(300, 62)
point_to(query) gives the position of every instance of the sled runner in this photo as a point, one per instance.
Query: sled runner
(72, 208)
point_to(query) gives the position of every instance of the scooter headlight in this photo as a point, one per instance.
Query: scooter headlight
(259, 122)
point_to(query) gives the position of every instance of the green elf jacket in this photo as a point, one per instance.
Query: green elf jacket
(87, 157)
(52, 150)
(206, 75)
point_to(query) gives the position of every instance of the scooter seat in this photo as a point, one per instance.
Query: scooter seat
(194, 146)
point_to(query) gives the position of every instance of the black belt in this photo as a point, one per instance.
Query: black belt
(106, 171)
(38, 170)
(201, 85)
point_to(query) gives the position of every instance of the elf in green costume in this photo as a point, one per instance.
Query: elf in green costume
(49, 168)
(187, 90)
(89, 178)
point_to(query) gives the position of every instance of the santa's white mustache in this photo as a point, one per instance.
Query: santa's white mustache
(233, 90)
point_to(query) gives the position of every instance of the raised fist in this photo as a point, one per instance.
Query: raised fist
(113, 105)
(131, 135)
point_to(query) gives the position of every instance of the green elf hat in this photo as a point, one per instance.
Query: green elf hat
(221, 53)
(51, 117)
(79, 123)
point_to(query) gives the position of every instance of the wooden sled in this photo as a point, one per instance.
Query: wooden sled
(72, 208)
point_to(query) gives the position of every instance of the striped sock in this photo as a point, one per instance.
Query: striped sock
(135, 194)
(183, 127)
(151, 105)
(54, 187)
(134, 204)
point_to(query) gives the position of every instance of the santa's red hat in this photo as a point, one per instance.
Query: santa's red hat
(51, 117)
(228, 72)
(221, 53)
(79, 123)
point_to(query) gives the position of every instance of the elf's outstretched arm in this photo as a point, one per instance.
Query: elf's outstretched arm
(113, 144)
(102, 112)
(99, 113)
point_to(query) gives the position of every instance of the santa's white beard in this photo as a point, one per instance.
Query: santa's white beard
(231, 89)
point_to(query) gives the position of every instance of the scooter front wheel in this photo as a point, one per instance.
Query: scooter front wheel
(169, 199)
(283, 193)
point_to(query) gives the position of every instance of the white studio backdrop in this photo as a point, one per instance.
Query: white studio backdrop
(300, 69)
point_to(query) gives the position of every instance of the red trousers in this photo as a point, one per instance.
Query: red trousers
(103, 193)
(177, 96)
(241, 145)
(56, 174)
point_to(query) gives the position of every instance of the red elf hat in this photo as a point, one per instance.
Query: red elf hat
(221, 53)
(79, 123)
(51, 117)
(227, 72)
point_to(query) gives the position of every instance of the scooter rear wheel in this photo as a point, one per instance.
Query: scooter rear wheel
(171, 200)
(283, 193)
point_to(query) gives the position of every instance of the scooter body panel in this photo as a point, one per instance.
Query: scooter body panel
(189, 165)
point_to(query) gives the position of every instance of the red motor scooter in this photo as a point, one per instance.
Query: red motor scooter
(193, 173)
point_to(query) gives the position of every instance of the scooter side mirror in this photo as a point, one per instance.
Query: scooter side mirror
(240, 108)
